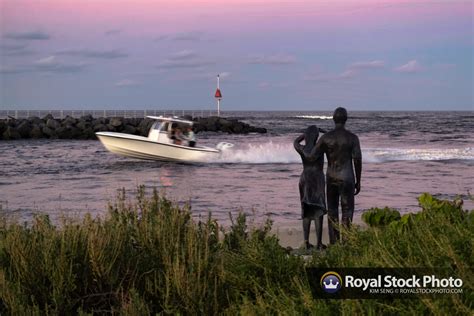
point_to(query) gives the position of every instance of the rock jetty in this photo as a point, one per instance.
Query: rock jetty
(86, 126)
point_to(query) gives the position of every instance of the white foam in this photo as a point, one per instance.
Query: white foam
(284, 153)
(416, 154)
(267, 153)
(320, 117)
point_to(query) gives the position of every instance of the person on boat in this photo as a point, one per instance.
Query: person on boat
(311, 186)
(172, 132)
(178, 136)
(190, 137)
(175, 134)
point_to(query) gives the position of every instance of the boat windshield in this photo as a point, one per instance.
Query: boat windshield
(162, 127)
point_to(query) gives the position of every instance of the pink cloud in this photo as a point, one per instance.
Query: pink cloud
(350, 73)
(278, 59)
(126, 83)
(184, 54)
(410, 67)
(367, 64)
(152, 18)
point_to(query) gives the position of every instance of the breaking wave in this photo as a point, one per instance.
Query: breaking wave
(319, 117)
(277, 153)
(417, 154)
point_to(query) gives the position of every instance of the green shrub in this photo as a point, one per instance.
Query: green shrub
(376, 217)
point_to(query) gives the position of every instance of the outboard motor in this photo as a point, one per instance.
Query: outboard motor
(224, 146)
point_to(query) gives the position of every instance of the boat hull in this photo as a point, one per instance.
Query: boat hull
(142, 148)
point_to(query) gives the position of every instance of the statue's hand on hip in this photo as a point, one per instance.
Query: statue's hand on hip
(357, 188)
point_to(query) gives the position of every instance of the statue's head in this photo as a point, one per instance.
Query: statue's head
(311, 135)
(340, 115)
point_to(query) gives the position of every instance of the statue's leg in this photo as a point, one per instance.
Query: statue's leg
(319, 232)
(307, 217)
(306, 230)
(347, 204)
(333, 216)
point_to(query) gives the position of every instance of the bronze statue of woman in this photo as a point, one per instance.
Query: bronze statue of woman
(311, 186)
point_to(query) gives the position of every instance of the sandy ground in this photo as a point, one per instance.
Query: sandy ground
(291, 233)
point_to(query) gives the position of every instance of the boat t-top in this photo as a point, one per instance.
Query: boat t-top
(160, 143)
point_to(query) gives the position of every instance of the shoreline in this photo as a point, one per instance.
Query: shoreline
(290, 234)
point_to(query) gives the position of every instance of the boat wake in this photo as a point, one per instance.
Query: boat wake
(278, 153)
(268, 153)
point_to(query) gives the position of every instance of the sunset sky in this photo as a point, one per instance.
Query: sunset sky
(272, 55)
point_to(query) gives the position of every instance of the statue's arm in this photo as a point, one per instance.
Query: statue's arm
(357, 158)
(319, 149)
(297, 145)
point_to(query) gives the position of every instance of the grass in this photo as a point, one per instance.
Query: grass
(150, 257)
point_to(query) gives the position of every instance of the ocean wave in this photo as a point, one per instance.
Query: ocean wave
(319, 117)
(278, 153)
(417, 154)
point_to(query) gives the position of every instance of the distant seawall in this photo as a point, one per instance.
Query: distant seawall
(86, 126)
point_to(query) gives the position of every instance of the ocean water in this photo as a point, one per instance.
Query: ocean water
(404, 155)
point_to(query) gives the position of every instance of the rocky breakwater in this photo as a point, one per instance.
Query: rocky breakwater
(86, 127)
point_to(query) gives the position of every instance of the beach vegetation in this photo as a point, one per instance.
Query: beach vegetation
(150, 256)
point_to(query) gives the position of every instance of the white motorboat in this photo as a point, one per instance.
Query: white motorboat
(159, 145)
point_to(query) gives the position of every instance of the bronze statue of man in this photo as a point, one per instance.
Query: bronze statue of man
(343, 154)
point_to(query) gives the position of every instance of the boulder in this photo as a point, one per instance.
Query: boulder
(24, 129)
(68, 120)
(83, 124)
(211, 128)
(145, 126)
(48, 117)
(88, 133)
(52, 124)
(3, 126)
(116, 121)
(11, 133)
(132, 121)
(48, 132)
(210, 124)
(100, 128)
(261, 130)
(36, 132)
(111, 128)
(87, 118)
(212, 120)
(100, 120)
(238, 128)
(63, 132)
(12, 122)
(129, 129)
(75, 132)
(223, 122)
(34, 120)
(198, 128)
